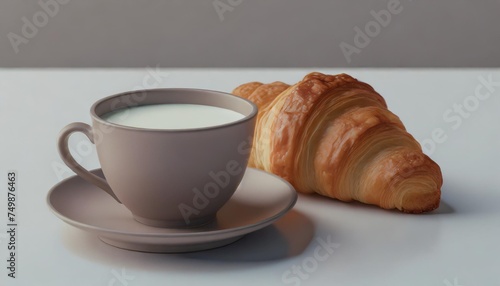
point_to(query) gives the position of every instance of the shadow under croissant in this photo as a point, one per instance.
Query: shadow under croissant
(444, 207)
(287, 237)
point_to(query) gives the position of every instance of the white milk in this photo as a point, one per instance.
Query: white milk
(172, 116)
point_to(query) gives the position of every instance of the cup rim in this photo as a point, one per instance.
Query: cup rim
(246, 118)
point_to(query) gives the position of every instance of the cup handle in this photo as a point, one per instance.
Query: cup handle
(62, 145)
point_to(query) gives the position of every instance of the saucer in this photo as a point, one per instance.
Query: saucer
(260, 200)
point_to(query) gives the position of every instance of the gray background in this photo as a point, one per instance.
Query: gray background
(254, 33)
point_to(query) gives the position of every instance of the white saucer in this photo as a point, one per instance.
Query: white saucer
(260, 200)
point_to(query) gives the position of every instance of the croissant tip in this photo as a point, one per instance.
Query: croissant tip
(421, 203)
(420, 211)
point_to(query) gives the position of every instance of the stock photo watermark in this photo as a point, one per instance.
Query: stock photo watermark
(31, 26)
(450, 283)
(219, 180)
(83, 149)
(120, 278)
(459, 112)
(12, 231)
(298, 273)
(373, 28)
(223, 6)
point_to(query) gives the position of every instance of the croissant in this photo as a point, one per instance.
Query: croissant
(333, 135)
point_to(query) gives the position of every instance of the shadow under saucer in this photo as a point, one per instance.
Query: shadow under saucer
(287, 237)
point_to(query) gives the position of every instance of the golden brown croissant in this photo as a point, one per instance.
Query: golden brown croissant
(333, 135)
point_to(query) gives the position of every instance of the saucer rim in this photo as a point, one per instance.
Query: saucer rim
(291, 204)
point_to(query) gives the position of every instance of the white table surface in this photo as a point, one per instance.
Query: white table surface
(456, 245)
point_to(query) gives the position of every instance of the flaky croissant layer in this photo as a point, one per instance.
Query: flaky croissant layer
(333, 135)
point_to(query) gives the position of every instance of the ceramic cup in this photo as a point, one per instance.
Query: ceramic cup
(167, 178)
